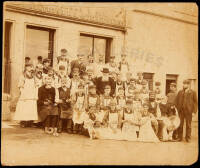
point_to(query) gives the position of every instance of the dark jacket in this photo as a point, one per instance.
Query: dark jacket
(190, 103)
(101, 84)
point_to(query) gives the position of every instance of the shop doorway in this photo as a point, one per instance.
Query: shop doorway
(169, 79)
(39, 42)
(149, 78)
(6, 58)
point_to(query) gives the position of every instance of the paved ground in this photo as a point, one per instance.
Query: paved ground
(30, 146)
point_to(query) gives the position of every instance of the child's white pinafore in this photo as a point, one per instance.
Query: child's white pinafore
(78, 113)
(26, 108)
(147, 133)
(129, 130)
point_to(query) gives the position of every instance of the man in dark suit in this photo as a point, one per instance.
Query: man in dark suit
(79, 63)
(101, 82)
(186, 104)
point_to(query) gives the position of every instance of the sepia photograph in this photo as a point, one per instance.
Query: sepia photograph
(95, 83)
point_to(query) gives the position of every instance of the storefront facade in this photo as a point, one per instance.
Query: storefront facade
(43, 29)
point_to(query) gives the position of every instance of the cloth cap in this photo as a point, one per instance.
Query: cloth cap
(173, 84)
(105, 70)
(157, 83)
(186, 81)
(92, 87)
(46, 60)
(152, 94)
(107, 87)
(61, 67)
(144, 82)
(63, 50)
(129, 101)
(139, 73)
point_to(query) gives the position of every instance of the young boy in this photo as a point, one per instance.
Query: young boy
(154, 110)
(64, 61)
(27, 60)
(79, 104)
(63, 99)
(119, 84)
(123, 66)
(46, 65)
(132, 84)
(39, 61)
(86, 82)
(48, 110)
(144, 92)
(158, 91)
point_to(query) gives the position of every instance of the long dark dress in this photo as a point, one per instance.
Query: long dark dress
(45, 94)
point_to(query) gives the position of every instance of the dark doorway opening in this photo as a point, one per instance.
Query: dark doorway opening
(6, 58)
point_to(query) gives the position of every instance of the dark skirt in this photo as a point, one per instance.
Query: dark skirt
(65, 111)
(47, 110)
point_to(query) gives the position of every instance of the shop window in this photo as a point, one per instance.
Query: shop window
(96, 45)
(39, 42)
(6, 58)
(169, 79)
(149, 78)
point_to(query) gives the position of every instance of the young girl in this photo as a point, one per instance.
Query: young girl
(60, 74)
(75, 81)
(79, 109)
(26, 109)
(63, 99)
(123, 67)
(48, 110)
(146, 132)
(92, 108)
(130, 123)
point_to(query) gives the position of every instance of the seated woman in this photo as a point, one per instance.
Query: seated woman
(171, 122)
(130, 122)
(48, 111)
(112, 123)
(146, 132)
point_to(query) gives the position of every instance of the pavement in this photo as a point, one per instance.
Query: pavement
(31, 146)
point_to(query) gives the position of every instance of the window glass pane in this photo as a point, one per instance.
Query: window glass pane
(86, 43)
(37, 42)
(99, 48)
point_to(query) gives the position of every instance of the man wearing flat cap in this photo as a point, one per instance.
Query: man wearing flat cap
(186, 104)
(101, 82)
(79, 62)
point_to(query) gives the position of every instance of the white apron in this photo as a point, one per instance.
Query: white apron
(78, 113)
(26, 108)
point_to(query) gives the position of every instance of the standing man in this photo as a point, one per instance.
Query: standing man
(101, 82)
(78, 63)
(186, 103)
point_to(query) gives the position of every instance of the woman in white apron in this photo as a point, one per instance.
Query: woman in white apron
(123, 67)
(26, 109)
(146, 132)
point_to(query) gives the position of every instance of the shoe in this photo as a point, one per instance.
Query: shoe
(179, 139)
(188, 140)
(59, 130)
(69, 131)
(74, 132)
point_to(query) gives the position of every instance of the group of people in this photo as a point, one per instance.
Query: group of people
(101, 101)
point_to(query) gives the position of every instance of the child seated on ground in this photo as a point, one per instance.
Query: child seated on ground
(146, 132)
